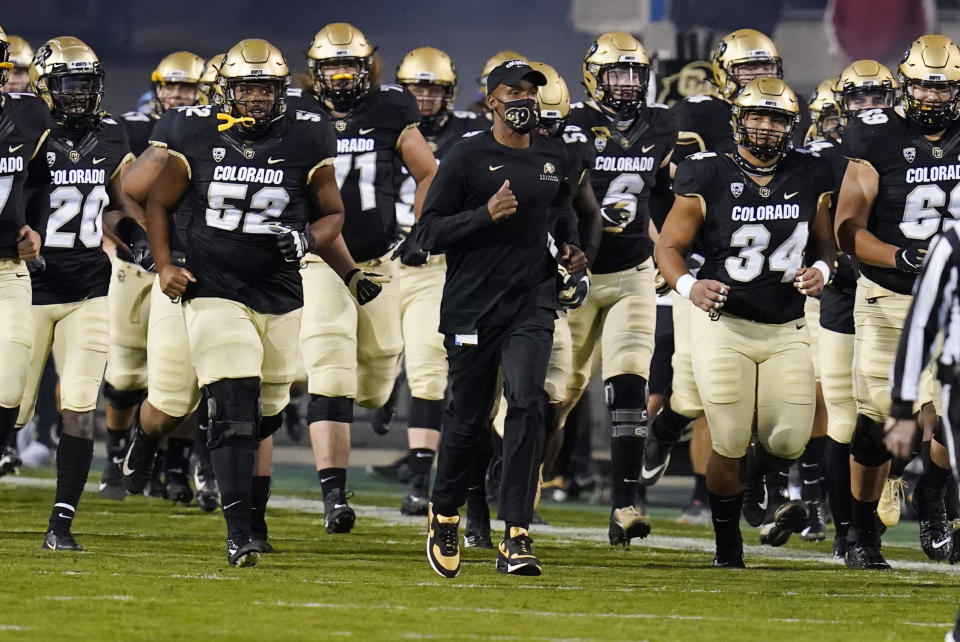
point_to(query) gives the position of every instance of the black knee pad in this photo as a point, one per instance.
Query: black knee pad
(759, 462)
(269, 425)
(123, 399)
(866, 444)
(330, 409)
(233, 409)
(425, 413)
(938, 435)
(627, 400)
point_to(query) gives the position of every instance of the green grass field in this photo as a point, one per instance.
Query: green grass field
(152, 570)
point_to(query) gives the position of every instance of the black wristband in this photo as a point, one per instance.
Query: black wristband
(901, 409)
(349, 275)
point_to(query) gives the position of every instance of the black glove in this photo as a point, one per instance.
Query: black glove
(365, 286)
(573, 288)
(910, 258)
(39, 264)
(293, 245)
(137, 248)
(409, 252)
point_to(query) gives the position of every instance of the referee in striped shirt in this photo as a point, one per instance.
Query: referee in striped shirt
(935, 307)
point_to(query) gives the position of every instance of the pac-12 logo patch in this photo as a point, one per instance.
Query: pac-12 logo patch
(51, 158)
(218, 154)
(910, 153)
(736, 189)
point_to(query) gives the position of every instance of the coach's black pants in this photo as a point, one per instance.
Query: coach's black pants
(521, 351)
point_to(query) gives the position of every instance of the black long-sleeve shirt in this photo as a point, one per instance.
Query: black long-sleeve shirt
(935, 307)
(494, 270)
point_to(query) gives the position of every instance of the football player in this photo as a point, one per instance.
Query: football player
(633, 143)
(762, 212)
(479, 106)
(351, 353)
(174, 85)
(24, 207)
(21, 54)
(431, 77)
(824, 113)
(704, 125)
(893, 200)
(86, 149)
(260, 192)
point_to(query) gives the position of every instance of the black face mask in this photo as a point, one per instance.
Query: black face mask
(521, 115)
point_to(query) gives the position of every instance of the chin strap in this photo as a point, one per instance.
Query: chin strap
(230, 121)
(752, 169)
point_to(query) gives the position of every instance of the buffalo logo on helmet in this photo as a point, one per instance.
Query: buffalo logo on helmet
(736, 189)
(909, 153)
(218, 154)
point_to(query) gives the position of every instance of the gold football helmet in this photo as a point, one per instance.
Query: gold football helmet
(495, 61)
(423, 71)
(207, 88)
(865, 84)
(930, 82)
(622, 52)
(181, 67)
(21, 53)
(348, 55)
(5, 64)
(66, 74)
(253, 62)
(743, 47)
(824, 111)
(771, 97)
(554, 99)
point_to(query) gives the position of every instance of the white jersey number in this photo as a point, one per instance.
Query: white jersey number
(67, 201)
(753, 239)
(921, 219)
(366, 164)
(619, 207)
(267, 203)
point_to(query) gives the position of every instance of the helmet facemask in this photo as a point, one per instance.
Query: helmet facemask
(341, 82)
(250, 98)
(434, 101)
(624, 86)
(829, 123)
(934, 111)
(5, 64)
(76, 98)
(764, 142)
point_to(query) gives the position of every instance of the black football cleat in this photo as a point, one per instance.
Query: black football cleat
(755, 502)
(111, 481)
(259, 536)
(10, 462)
(157, 486)
(656, 459)
(137, 467)
(397, 471)
(338, 517)
(729, 552)
(208, 493)
(443, 550)
(58, 540)
(863, 553)
(936, 532)
(178, 487)
(515, 554)
(416, 500)
(815, 529)
(625, 524)
(245, 555)
(840, 546)
(785, 518)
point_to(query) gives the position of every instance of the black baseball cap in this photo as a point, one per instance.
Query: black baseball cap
(513, 71)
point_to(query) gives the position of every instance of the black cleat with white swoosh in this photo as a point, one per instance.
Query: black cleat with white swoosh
(338, 517)
(936, 532)
(60, 540)
(755, 501)
(137, 467)
(656, 459)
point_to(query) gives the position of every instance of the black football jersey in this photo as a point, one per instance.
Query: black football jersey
(237, 188)
(24, 125)
(623, 174)
(77, 268)
(753, 237)
(917, 192)
(837, 299)
(458, 123)
(160, 137)
(703, 125)
(366, 164)
(139, 126)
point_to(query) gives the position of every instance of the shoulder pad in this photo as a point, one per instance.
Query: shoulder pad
(136, 116)
(295, 91)
(702, 155)
(473, 133)
(464, 114)
(391, 88)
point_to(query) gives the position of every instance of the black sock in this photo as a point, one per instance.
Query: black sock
(934, 477)
(725, 513)
(700, 489)
(641, 496)
(626, 455)
(777, 483)
(233, 467)
(8, 419)
(259, 494)
(73, 464)
(420, 461)
(117, 441)
(810, 464)
(838, 484)
(863, 518)
(509, 525)
(332, 479)
(177, 458)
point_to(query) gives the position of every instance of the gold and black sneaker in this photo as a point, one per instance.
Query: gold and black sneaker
(515, 555)
(443, 546)
(625, 524)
